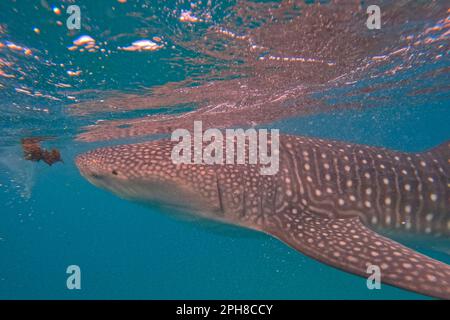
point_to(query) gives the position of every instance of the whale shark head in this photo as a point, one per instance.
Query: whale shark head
(145, 173)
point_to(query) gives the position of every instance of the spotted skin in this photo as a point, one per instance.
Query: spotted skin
(386, 189)
(328, 200)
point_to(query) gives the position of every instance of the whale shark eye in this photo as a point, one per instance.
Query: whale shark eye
(114, 172)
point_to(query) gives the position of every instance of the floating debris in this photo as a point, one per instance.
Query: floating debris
(142, 45)
(25, 91)
(63, 85)
(5, 75)
(73, 73)
(56, 10)
(231, 34)
(83, 40)
(187, 16)
(14, 46)
(296, 59)
(34, 152)
(84, 43)
(36, 30)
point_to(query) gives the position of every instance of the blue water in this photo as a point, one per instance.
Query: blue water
(51, 217)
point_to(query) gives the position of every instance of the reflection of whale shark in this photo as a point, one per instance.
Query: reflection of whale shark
(277, 60)
(325, 201)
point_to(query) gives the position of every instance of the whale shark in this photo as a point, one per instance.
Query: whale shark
(329, 200)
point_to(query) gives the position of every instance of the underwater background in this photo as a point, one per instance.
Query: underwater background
(138, 69)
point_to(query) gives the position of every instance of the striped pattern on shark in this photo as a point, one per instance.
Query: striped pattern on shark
(328, 200)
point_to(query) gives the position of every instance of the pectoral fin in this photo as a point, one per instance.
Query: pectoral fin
(349, 245)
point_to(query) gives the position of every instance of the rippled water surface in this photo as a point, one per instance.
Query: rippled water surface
(139, 69)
